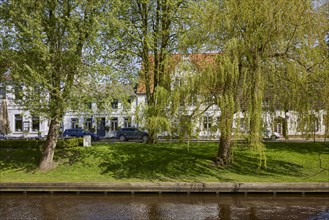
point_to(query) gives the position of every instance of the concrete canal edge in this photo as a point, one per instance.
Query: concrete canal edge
(168, 187)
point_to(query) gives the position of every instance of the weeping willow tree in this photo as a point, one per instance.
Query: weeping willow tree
(298, 83)
(186, 105)
(255, 36)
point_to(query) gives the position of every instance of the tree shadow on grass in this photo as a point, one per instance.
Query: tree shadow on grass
(247, 164)
(302, 147)
(19, 159)
(158, 162)
(170, 163)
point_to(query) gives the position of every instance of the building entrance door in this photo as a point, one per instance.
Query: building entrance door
(101, 127)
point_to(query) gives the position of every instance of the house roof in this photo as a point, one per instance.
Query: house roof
(199, 61)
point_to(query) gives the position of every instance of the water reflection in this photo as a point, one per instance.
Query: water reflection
(146, 206)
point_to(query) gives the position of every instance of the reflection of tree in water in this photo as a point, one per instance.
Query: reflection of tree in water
(49, 208)
(224, 211)
(253, 213)
(153, 210)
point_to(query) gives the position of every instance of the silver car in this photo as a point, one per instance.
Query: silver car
(272, 135)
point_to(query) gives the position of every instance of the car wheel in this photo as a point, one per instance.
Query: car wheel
(122, 138)
(145, 138)
(273, 137)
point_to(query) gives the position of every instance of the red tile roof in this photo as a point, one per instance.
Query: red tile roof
(199, 61)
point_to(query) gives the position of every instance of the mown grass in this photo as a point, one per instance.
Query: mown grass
(131, 162)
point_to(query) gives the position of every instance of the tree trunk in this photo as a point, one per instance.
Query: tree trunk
(46, 162)
(226, 122)
(224, 150)
(285, 128)
(152, 137)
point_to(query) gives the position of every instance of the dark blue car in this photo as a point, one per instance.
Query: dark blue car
(78, 132)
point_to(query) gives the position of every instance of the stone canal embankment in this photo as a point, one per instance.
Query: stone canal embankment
(167, 187)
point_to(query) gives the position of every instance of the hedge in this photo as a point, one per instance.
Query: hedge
(61, 143)
(21, 143)
(72, 142)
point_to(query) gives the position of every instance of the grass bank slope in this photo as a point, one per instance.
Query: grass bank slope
(131, 162)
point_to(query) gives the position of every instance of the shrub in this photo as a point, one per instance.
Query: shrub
(61, 143)
(72, 142)
(21, 143)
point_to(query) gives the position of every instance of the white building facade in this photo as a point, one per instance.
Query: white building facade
(19, 123)
(104, 123)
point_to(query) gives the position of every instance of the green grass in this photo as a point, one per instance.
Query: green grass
(131, 162)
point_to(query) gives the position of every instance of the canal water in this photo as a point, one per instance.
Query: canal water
(165, 206)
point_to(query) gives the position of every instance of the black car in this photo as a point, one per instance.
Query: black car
(124, 134)
(78, 132)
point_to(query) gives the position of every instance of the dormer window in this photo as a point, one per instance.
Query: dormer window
(115, 104)
(207, 122)
(18, 92)
(2, 92)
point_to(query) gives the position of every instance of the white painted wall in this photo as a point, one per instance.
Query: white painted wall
(140, 101)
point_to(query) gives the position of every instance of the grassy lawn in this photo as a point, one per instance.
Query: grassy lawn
(132, 162)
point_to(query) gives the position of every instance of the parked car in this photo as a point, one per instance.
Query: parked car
(272, 135)
(3, 136)
(78, 132)
(124, 134)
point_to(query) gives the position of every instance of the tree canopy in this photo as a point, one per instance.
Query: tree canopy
(55, 52)
(262, 56)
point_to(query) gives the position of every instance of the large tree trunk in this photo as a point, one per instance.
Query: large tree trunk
(46, 162)
(226, 122)
(224, 151)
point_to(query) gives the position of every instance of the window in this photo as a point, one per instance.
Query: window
(18, 93)
(127, 122)
(74, 123)
(308, 124)
(207, 121)
(279, 128)
(114, 124)
(2, 92)
(88, 124)
(26, 126)
(114, 104)
(35, 123)
(279, 125)
(191, 101)
(314, 123)
(239, 123)
(18, 123)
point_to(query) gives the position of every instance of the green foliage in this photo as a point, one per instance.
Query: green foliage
(154, 28)
(69, 143)
(60, 56)
(276, 52)
(21, 144)
(134, 162)
(38, 144)
(55, 45)
(63, 54)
